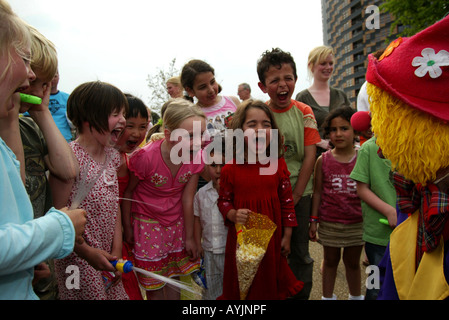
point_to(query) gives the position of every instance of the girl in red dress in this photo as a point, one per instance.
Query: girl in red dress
(252, 185)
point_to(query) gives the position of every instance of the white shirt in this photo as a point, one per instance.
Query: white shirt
(214, 231)
(362, 99)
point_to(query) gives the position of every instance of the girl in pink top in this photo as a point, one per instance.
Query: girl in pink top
(336, 206)
(198, 79)
(163, 181)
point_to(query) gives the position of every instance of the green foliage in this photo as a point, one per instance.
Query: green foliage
(158, 86)
(414, 15)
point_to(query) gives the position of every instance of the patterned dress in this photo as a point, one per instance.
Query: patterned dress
(101, 204)
(158, 216)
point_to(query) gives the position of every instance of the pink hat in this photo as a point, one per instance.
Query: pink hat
(416, 70)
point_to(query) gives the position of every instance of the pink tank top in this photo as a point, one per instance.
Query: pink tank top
(339, 200)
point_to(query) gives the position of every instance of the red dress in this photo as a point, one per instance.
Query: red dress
(242, 186)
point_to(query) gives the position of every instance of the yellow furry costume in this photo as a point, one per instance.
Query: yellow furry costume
(408, 89)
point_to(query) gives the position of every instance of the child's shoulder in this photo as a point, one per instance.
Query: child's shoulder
(301, 106)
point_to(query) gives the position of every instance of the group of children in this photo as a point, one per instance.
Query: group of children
(146, 205)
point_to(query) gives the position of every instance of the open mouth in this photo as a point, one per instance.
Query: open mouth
(283, 96)
(131, 144)
(115, 134)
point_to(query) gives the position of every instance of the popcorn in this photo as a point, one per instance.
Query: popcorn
(252, 242)
(248, 259)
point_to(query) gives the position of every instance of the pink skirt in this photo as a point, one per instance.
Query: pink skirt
(161, 250)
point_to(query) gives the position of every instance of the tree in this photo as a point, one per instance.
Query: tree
(157, 85)
(414, 15)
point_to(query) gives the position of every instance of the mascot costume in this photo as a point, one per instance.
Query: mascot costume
(408, 89)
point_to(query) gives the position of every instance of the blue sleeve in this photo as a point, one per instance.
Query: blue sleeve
(24, 246)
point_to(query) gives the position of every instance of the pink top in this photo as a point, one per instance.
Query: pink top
(217, 113)
(158, 191)
(339, 200)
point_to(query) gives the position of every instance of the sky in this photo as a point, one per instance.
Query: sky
(123, 42)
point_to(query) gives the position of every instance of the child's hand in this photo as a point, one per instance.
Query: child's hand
(41, 271)
(392, 217)
(239, 216)
(78, 217)
(191, 249)
(285, 246)
(43, 107)
(312, 231)
(97, 258)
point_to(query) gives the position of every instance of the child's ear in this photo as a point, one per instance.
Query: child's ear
(167, 134)
(262, 87)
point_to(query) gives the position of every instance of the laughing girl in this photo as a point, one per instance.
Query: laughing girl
(244, 188)
(97, 110)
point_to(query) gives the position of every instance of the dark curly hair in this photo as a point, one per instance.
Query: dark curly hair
(276, 57)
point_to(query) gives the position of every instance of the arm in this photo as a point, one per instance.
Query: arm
(126, 208)
(305, 172)
(60, 190)
(370, 198)
(197, 230)
(187, 204)
(117, 243)
(60, 159)
(316, 199)
(198, 234)
(285, 242)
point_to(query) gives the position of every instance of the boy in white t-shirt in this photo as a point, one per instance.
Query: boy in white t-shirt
(210, 231)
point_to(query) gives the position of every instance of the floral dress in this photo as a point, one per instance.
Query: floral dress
(101, 204)
(158, 215)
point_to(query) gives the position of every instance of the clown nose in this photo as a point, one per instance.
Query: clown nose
(361, 121)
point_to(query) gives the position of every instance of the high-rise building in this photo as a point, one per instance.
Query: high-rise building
(354, 29)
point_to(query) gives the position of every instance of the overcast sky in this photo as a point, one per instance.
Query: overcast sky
(122, 42)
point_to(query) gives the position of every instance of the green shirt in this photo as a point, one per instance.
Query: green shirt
(374, 171)
(298, 127)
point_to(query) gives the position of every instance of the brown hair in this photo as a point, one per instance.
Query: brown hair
(94, 102)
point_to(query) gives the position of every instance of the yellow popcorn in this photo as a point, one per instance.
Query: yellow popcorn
(252, 242)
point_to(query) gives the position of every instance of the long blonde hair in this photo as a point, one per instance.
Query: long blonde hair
(13, 33)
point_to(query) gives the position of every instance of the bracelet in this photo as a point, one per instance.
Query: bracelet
(314, 219)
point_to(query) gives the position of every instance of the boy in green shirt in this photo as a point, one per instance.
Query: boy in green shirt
(277, 75)
(378, 195)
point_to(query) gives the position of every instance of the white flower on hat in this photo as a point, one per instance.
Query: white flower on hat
(430, 62)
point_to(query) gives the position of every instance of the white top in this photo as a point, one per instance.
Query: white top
(362, 99)
(214, 231)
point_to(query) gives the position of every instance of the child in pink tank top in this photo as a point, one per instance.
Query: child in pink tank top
(336, 207)
(198, 79)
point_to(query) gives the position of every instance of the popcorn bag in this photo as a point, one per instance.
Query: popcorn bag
(252, 242)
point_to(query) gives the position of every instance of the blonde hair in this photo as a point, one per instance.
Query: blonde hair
(416, 143)
(13, 33)
(176, 81)
(177, 111)
(44, 57)
(318, 55)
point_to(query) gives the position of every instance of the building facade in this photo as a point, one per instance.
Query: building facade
(354, 29)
